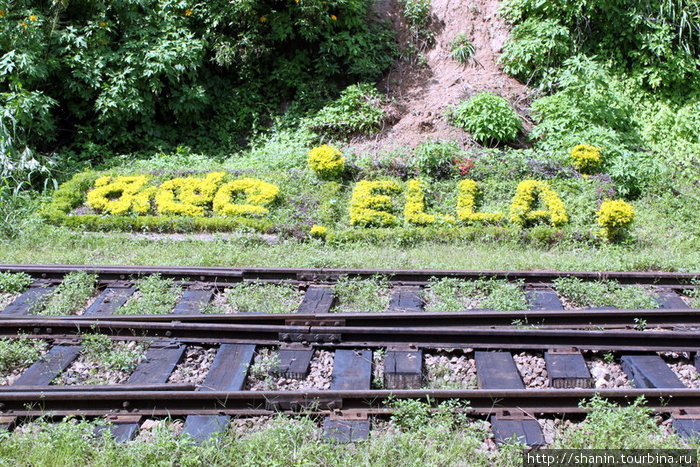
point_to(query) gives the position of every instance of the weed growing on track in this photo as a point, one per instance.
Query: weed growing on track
(113, 355)
(256, 297)
(156, 296)
(358, 295)
(13, 283)
(694, 294)
(604, 293)
(19, 351)
(450, 294)
(69, 297)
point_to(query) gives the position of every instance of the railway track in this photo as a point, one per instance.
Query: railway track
(642, 342)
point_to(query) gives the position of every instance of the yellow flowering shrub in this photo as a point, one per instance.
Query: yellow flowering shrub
(466, 203)
(527, 194)
(414, 209)
(121, 195)
(614, 217)
(586, 158)
(256, 195)
(370, 204)
(318, 231)
(327, 162)
(187, 196)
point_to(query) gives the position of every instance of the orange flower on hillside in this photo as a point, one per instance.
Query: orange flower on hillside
(2, 13)
(263, 19)
(188, 12)
(32, 17)
(102, 24)
(334, 18)
(24, 25)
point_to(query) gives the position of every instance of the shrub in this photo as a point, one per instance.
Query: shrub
(467, 201)
(417, 14)
(462, 49)
(327, 162)
(318, 231)
(120, 195)
(356, 111)
(489, 118)
(522, 210)
(370, 204)
(535, 48)
(435, 159)
(187, 196)
(414, 209)
(586, 158)
(614, 217)
(256, 194)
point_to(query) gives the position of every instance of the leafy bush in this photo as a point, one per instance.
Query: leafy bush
(586, 158)
(356, 111)
(462, 49)
(326, 162)
(535, 49)
(489, 118)
(134, 74)
(417, 14)
(614, 217)
(436, 159)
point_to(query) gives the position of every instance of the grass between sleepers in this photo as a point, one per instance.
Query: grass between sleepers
(449, 294)
(155, 296)
(257, 297)
(604, 293)
(360, 295)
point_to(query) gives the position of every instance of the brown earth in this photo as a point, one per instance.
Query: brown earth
(419, 96)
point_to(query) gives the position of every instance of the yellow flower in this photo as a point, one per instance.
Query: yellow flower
(2, 13)
(296, 1)
(318, 231)
(326, 161)
(334, 18)
(263, 19)
(102, 24)
(188, 12)
(32, 17)
(24, 25)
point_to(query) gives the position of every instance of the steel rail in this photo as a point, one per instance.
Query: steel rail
(682, 317)
(224, 275)
(481, 402)
(361, 336)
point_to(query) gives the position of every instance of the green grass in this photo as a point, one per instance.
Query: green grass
(14, 283)
(53, 245)
(111, 354)
(359, 295)
(257, 297)
(414, 437)
(156, 296)
(450, 294)
(604, 293)
(70, 296)
(19, 351)
(694, 295)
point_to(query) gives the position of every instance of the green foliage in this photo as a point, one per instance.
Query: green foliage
(462, 49)
(357, 111)
(69, 297)
(16, 208)
(20, 351)
(604, 293)
(14, 282)
(450, 294)
(489, 118)
(607, 426)
(535, 49)
(417, 14)
(359, 295)
(156, 296)
(257, 297)
(135, 74)
(435, 159)
(655, 42)
(112, 355)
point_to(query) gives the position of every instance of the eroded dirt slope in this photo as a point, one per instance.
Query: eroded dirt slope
(420, 95)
